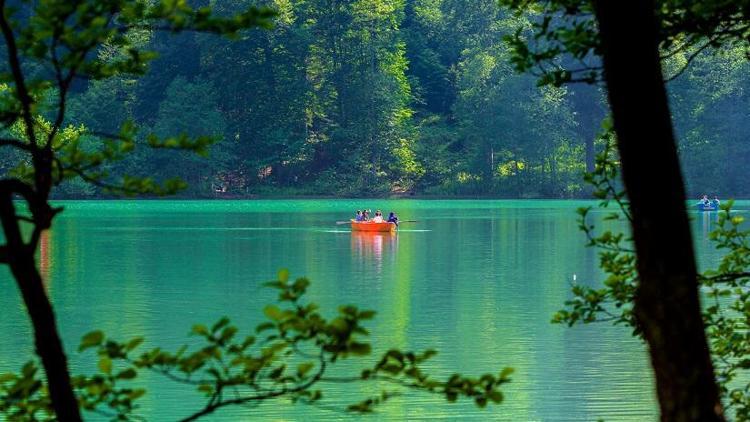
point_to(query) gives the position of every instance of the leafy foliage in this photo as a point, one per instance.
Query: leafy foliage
(70, 39)
(563, 44)
(285, 358)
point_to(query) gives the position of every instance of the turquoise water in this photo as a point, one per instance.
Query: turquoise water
(477, 280)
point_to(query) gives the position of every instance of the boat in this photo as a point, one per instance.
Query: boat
(371, 226)
(711, 206)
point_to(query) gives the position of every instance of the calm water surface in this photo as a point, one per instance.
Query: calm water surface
(478, 280)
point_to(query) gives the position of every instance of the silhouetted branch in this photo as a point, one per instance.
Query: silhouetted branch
(64, 83)
(16, 143)
(213, 406)
(17, 187)
(727, 277)
(688, 61)
(101, 184)
(17, 72)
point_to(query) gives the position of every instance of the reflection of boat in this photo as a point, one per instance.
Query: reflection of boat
(45, 255)
(371, 226)
(371, 244)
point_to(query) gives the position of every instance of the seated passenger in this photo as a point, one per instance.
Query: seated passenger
(365, 215)
(716, 201)
(392, 218)
(378, 217)
(359, 216)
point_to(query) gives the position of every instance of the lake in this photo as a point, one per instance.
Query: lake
(477, 280)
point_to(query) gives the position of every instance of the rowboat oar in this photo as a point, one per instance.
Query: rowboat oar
(405, 221)
(338, 223)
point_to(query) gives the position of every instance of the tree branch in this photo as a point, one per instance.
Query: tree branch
(15, 67)
(723, 278)
(17, 143)
(98, 183)
(64, 83)
(689, 60)
(17, 187)
(212, 407)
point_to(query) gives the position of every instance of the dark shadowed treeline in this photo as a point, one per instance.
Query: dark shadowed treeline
(379, 97)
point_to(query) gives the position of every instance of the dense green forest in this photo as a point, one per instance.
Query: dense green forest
(384, 97)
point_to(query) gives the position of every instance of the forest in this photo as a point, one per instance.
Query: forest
(389, 98)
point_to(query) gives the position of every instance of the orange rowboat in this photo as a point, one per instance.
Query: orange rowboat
(369, 226)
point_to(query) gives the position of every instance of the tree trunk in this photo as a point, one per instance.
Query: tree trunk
(46, 338)
(666, 304)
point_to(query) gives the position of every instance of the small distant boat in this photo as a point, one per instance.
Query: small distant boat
(371, 226)
(711, 206)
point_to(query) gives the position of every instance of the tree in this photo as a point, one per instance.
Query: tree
(365, 93)
(189, 108)
(707, 101)
(666, 303)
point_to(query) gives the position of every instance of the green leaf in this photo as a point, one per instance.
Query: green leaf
(283, 275)
(200, 329)
(495, 396)
(505, 373)
(304, 368)
(273, 312)
(227, 334)
(127, 374)
(276, 373)
(223, 322)
(365, 315)
(105, 365)
(91, 339)
(300, 285)
(360, 349)
(265, 326)
(132, 344)
(208, 389)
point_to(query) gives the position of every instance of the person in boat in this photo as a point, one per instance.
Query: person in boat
(392, 218)
(359, 216)
(705, 201)
(378, 217)
(365, 215)
(716, 202)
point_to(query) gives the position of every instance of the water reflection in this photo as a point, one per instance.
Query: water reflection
(370, 247)
(707, 222)
(45, 256)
